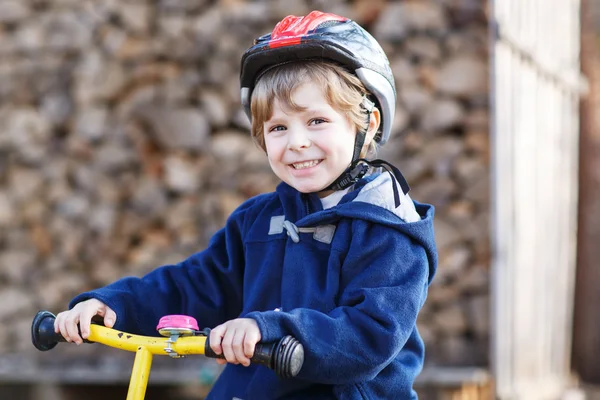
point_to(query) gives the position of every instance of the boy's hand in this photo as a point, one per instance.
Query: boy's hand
(66, 322)
(236, 339)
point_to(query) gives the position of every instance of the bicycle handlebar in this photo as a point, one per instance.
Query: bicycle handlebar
(285, 356)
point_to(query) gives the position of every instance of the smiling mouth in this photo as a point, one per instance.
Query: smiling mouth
(306, 164)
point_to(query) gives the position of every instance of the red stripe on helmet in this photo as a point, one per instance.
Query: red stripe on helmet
(292, 26)
(286, 41)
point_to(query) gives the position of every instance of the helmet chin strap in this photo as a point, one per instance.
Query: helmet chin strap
(359, 166)
(355, 170)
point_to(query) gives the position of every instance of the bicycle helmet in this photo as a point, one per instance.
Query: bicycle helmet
(327, 36)
(324, 36)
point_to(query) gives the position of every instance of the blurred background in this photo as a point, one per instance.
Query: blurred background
(123, 147)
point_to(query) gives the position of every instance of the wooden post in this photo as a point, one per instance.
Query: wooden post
(536, 86)
(586, 344)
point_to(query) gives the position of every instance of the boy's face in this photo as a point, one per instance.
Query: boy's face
(308, 149)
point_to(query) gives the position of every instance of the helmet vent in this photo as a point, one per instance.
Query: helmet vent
(327, 24)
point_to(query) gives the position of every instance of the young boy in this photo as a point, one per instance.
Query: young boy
(339, 256)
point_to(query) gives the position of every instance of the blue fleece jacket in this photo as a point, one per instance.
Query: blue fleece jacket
(347, 282)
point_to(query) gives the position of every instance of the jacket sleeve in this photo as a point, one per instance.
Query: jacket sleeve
(206, 286)
(384, 283)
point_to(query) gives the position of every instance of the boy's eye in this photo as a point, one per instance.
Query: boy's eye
(316, 121)
(276, 128)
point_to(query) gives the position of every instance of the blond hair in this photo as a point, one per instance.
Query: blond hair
(343, 91)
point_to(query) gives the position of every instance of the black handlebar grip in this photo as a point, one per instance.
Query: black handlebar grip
(285, 356)
(43, 336)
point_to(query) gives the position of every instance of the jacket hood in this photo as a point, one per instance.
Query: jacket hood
(372, 200)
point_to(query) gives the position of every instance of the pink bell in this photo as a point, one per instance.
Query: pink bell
(177, 324)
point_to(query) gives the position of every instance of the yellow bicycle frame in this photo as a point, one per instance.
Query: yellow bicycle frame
(144, 347)
(285, 357)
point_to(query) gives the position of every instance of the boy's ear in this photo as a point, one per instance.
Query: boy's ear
(374, 121)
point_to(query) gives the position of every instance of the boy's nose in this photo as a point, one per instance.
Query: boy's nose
(298, 139)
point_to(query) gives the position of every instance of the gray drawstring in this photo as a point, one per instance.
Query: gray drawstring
(292, 230)
(321, 233)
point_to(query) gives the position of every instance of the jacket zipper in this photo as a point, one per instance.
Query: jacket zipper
(304, 198)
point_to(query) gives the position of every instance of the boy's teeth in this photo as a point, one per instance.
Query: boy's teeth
(306, 164)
